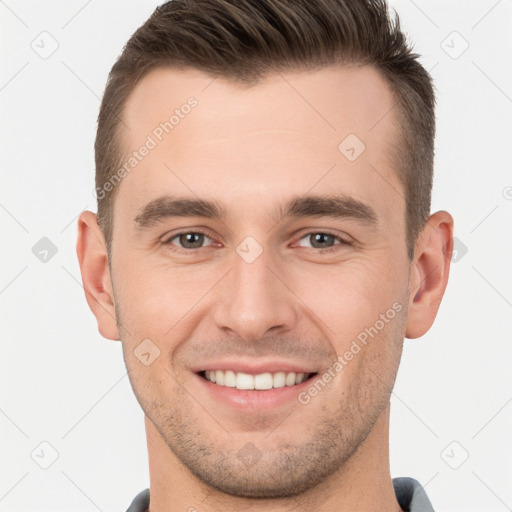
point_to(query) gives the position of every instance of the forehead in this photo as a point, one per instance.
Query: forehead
(333, 128)
(329, 100)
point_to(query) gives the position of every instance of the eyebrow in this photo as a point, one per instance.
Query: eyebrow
(334, 206)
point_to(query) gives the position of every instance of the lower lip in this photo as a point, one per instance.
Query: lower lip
(254, 399)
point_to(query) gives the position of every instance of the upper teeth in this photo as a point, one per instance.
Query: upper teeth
(241, 380)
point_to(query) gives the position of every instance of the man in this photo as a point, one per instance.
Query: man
(263, 244)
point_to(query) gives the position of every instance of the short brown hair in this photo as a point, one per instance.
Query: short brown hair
(242, 40)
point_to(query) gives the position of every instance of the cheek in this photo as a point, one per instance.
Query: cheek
(342, 299)
(352, 296)
(154, 298)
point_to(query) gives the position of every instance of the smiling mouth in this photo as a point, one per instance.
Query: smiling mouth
(262, 381)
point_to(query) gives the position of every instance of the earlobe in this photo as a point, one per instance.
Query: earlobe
(429, 273)
(93, 259)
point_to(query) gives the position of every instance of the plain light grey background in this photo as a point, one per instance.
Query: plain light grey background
(65, 401)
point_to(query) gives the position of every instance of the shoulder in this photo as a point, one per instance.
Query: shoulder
(411, 496)
(140, 503)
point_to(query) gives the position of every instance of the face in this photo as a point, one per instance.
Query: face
(297, 264)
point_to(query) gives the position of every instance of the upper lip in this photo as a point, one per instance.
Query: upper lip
(253, 367)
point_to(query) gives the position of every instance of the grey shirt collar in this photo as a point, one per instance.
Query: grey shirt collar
(409, 493)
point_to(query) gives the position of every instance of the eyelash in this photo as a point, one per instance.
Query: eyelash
(342, 241)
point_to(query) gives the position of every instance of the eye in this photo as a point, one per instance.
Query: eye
(323, 240)
(188, 239)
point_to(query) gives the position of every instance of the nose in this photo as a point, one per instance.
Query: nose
(253, 300)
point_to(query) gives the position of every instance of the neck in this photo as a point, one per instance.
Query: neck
(363, 483)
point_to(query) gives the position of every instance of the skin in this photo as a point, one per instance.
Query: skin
(252, 149)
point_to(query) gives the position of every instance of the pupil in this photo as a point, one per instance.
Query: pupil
(187, 240)
(321, 238)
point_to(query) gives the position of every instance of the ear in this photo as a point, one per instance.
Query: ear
(429, 273)
(92, 255)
